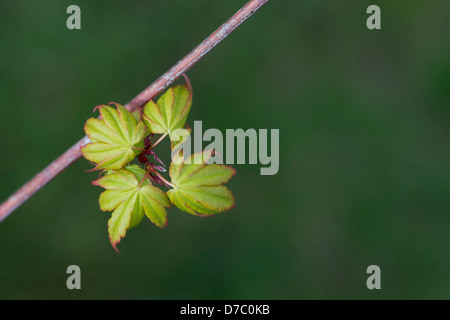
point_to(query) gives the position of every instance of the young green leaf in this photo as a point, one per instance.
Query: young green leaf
(197, 186)
(170, 112)
(137, 114)
(130, 200)
(116, 138)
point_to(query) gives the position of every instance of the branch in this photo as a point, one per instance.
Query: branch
(73, 153)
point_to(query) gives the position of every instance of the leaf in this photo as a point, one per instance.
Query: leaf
(130, 201)
(197, 186)
(137, 114)
(116, 138)
(170, 112)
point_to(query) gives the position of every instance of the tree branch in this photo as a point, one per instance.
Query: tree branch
(73, 153)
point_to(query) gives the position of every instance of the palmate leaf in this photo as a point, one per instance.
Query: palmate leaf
(116, 138)
(197, 186)
(170, 112)
(130, 201)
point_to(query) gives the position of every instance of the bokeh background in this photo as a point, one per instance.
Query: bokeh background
(364, 149)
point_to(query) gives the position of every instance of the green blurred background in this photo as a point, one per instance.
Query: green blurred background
(364, 149)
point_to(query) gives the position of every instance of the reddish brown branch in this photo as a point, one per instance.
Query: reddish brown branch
(72, 154)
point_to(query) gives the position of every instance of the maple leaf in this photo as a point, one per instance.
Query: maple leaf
(131, 197)
(197, 186)
(169, 114)
(116, 138)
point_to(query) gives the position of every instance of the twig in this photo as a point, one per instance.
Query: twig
(73, 153)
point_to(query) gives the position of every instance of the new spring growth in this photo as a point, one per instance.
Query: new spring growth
(133, 191)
